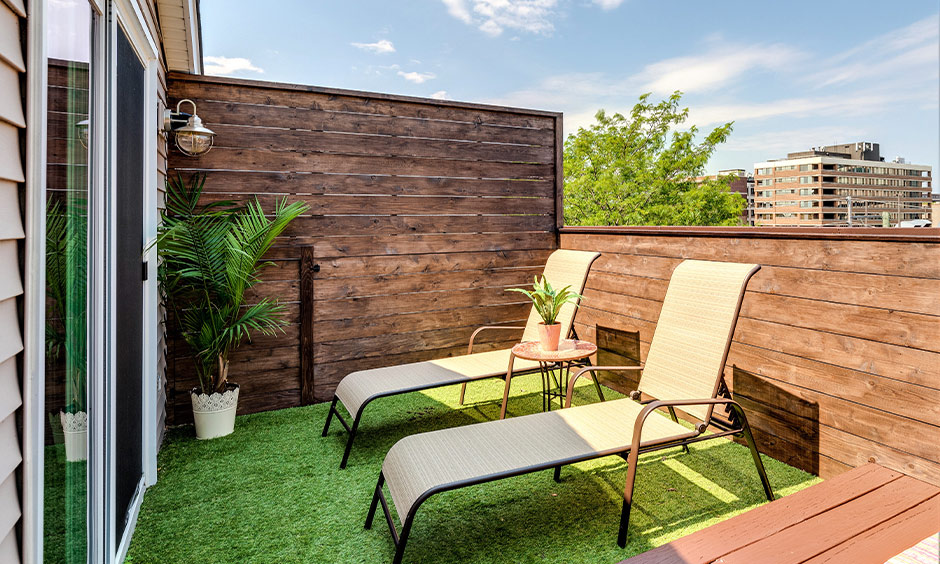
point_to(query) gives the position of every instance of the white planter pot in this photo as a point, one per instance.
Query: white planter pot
(75, 434)
(215, 413)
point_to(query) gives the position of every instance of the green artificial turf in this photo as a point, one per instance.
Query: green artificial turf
(273, 492)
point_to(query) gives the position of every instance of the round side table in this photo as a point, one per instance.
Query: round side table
(555, 367)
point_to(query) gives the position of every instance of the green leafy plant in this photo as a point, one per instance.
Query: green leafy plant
(641, 169)
(211, 255)
(547, 300)
(66, 288)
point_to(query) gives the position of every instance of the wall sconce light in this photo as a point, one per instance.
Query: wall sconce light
(193, 138)
(81, 129)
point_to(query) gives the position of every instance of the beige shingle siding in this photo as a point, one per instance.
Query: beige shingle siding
(11, 281)
(162, 149)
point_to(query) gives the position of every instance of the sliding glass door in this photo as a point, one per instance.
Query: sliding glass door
(69, 33)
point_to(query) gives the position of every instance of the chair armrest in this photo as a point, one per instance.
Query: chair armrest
(585, 370)
(485, 327)
(656, 404)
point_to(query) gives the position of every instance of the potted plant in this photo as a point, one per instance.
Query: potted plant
(548, 303)
(66, 278)
(210, 257)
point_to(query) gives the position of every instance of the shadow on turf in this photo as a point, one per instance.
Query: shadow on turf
(581, 514)
(532, 516)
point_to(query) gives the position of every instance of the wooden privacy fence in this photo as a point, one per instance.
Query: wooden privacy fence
(836, 356)
(422, 213)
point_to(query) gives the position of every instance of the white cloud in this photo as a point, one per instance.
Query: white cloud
(439, 95)
(380, 47)
(494, 16)
(912, 52)
(791, 107)
(714, 69)
(224, 66)
(608, 4)
(778, 142)
(417, 77)
(458, 9)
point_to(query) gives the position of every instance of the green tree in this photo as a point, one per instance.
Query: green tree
(640, 170)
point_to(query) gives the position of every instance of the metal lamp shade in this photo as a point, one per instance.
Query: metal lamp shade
(81, 129)
(194, 139)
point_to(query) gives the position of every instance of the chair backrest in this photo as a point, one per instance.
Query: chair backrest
(563, 268)
(692, 337)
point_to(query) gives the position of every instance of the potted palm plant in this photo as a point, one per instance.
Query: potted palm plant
(548, 302)
(66, 279)
(211, 255)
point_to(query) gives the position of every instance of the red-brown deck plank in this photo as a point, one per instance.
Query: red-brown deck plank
(721, 538)
(816, 535)
(868, 514)
(881, 543)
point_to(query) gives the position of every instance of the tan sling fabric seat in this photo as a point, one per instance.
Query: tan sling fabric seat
(415, 465)
(358, 388)
(563, 268)
(684, 369)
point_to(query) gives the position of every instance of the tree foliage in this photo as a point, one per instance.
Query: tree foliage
(640, 170)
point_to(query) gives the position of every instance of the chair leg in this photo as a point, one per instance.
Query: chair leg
(375, 501)
(463, 390)
(349, 441)
(502, 411)
(672, 414)
(557, 474)
(329, 416)
(597, 386)
(402, 539)
(749, 438)
(632, 461)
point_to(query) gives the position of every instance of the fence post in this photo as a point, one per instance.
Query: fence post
(307, 271)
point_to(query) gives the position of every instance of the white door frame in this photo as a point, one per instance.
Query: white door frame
(103, 548)
(125, 15)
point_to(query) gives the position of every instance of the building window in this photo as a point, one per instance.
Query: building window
(807, 167)
(808, 203)
(809, 191)
(765, 171)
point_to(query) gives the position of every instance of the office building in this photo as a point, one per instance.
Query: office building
(840, 185)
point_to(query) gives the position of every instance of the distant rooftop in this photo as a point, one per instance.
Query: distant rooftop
(860, 151)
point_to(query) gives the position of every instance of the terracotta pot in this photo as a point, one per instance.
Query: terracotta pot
(214, 414)
(549, 336)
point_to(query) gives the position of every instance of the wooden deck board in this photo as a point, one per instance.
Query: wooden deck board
(868, 514)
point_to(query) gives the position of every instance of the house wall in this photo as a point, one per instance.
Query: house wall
(12, 192)
(423, 212)
(836, 357)
(149, 9)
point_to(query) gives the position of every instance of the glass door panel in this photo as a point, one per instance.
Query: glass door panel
(68, 38)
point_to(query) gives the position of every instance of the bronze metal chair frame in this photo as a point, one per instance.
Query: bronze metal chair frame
(510, 373)
(738, 428)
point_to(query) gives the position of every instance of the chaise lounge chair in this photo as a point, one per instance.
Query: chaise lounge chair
(683, 370)
(356, 390)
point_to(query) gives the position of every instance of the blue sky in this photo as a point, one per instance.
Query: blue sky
(791, 75)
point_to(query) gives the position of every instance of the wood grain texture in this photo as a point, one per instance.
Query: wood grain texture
(835, 354)
(868, 514)
(421, 214)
